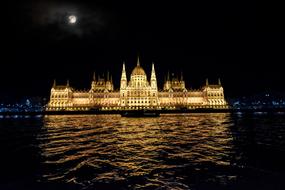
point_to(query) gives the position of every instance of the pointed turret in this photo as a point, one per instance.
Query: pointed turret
(219, 81)
(124, 75)
(182, 82)
(153, 78)
(207, 82)
(109, 84)
(167, 83)
(168, 76)
(54, 83)
(104, 77)
(94, 76)
(123, 78)
(138, 62)
(67, 83)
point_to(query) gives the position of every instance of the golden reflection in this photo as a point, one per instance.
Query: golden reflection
(116, 147)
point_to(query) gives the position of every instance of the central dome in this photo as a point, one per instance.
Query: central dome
(138, 70)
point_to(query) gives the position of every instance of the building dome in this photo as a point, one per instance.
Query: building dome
(138, 70)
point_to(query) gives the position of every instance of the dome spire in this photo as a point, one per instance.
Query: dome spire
(138, 62)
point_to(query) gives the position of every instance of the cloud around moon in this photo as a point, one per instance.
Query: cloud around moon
(55, 17)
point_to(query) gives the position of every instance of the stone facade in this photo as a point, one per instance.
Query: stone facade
(137, 93)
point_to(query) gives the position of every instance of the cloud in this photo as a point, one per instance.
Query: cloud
(54, 18)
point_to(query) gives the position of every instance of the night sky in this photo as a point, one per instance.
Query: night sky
(237, 41)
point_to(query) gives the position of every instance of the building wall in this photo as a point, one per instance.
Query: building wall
(138, 93)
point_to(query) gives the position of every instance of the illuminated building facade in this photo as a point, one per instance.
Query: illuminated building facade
(137, 93)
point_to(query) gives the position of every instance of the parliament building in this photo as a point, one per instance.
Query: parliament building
(136, 93)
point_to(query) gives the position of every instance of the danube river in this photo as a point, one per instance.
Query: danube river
(174, 151)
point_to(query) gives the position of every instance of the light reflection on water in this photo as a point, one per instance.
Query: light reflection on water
(169, 152)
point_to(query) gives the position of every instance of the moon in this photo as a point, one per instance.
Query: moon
(72, 19)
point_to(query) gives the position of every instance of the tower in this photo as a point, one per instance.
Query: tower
(109, 84)
(182, 82)
(93, 83)
(123, 78)
(167, 83)
(94, 76)
(54, 83)
(153, 78)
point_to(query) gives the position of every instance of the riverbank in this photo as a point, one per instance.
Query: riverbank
(202, 110)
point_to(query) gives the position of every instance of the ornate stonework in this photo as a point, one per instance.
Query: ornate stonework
(137, 93)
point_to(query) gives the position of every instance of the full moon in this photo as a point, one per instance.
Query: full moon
(72, 19)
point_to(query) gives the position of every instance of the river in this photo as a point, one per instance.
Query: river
(173, 151)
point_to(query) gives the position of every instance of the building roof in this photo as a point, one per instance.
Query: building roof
(138, 70)
(215, 86)
(60, 87)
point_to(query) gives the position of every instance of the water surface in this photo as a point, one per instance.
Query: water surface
(179, 151)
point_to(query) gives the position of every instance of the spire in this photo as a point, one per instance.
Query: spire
(67, 83)
(219, 81)
(108, 76)
(153, 78)
(153, 72)
(124, 68)
(181, 76)
(124, 76)
(111, 79)
(94, 76)
(207, 82)
(138, 62)
(54, 83)
(168, 77)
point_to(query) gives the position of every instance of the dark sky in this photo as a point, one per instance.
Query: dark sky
(239, 41)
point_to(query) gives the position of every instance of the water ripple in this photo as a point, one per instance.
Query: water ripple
(169, 152)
